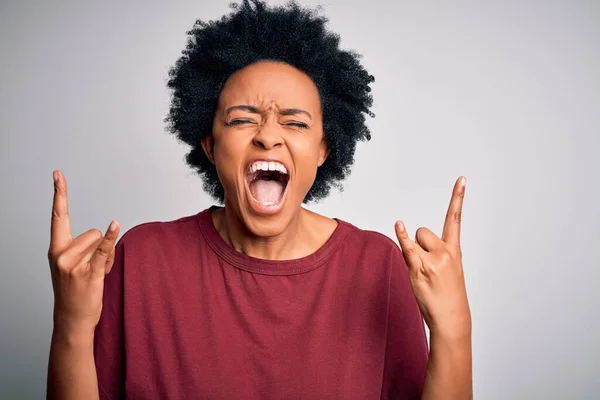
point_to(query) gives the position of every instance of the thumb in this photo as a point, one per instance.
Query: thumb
(408, 247)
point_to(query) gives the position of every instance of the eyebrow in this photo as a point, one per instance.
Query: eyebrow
(255, 110)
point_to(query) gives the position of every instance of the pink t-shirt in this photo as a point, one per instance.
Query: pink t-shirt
(185, 316)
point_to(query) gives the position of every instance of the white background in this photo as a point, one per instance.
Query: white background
(504, 92)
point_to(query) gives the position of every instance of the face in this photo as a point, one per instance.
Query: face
(267, 144)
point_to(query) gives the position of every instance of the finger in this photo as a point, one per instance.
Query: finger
(109, 262)
(80, 244)
(68, 261)
(451, 232)
(102, 252)
(60, 227)
(427, 239)
(89, 252)
(409, 248)
(76, 252)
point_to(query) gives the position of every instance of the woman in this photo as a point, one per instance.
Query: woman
(261, 298)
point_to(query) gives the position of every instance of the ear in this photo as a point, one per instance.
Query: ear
(208, 144)
(323, 152)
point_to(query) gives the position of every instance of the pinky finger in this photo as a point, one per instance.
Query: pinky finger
(409, 248)
(109, 262)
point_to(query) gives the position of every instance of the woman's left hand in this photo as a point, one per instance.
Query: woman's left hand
(436, 271)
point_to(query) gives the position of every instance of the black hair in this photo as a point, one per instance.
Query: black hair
(291, 34)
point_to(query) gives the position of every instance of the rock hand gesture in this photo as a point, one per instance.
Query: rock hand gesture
(436, 275)
(78, 266)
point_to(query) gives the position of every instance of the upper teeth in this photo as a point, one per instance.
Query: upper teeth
(268, 166)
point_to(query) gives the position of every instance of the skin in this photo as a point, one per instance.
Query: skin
(265, 130)
(77, 267)
(259, 98)
(437, 279)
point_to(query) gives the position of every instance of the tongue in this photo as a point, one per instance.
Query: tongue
(267, 192)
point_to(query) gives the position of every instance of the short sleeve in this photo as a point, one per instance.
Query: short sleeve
(109, 338)
(406, 347)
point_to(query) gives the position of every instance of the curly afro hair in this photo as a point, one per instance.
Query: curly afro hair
(290, 34)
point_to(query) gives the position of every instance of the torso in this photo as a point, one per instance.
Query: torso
(203, 321)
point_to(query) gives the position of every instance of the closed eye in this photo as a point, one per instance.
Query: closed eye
(298, 124)
(239, 122)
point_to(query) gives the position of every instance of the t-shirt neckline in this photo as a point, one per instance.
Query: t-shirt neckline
(269, 267)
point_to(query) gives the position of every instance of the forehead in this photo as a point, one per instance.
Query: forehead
(267, 83)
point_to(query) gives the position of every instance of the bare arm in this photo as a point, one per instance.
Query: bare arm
(78, 267)
(436, 275)
(449, 372)
(71, 368)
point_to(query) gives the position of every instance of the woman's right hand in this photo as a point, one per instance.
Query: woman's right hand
(78, 266)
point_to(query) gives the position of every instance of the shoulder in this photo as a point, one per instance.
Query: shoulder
(370, 242)
(368, 237)
(160, 232)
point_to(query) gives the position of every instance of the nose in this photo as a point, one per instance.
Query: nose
(268, 136)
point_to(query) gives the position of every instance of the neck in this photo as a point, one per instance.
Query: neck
(282, 246)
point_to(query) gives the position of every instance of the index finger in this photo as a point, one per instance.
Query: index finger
(451, 232)
(60, 226)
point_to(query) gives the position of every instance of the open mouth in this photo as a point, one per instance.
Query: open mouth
(267, 182)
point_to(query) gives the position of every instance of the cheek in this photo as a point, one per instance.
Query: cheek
(306, 158)
(229, 154)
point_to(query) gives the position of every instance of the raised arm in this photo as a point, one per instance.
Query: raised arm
(78, 266)
(436, 275)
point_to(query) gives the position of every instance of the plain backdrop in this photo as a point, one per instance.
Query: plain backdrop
(506, 93)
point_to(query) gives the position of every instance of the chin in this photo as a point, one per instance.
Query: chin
(266, 197)
(268, 220)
